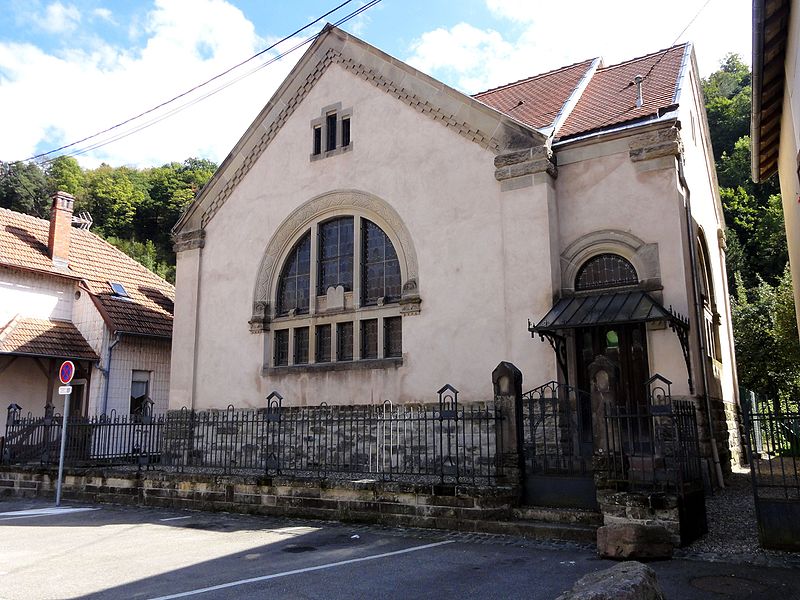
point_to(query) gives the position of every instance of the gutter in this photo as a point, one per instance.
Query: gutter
(757, 84)
(107, 370)
(670, 114)
(701, 342)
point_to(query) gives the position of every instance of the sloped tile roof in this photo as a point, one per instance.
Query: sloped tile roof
(40, 337)
(23, 244)
(610, 97)
(536, 101)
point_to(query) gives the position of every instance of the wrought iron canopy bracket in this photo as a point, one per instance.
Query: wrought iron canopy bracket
(681, 329)
(557, 342)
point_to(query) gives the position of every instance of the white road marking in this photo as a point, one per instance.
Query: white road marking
(41, 512)
(176, 518)
(340, 563)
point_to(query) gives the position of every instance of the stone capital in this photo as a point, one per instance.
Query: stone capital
(189, 240)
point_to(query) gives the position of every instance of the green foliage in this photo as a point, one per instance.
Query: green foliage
(134, 209)
(727, 96)
(767, 346)
(23, 188)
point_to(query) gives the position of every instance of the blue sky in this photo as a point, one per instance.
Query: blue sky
(70, 68)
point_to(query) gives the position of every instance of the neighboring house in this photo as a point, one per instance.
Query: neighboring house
(67, 294)
(376, 234)
(775, 127)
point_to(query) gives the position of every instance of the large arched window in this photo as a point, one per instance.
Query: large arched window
(295, 278)
(605, 271)
(338, 297)
(708, 298)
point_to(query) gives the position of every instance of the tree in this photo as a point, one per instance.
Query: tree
(23, 187)
(65, 174)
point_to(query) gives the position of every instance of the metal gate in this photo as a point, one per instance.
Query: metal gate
(773, 451)
(556, 441)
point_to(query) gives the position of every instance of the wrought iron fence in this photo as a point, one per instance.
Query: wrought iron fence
(557, 434)
(445, 441)
(653, 446)
(773, 450)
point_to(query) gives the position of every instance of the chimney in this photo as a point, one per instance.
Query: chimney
(60, 228)
(639, 98)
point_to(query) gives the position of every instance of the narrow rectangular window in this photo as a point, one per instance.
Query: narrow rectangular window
(335, 255)
(345, 131)
(281, 356)
(330, 124)
(140, 392)
(344, 341)
(323, 344)
(301, 345)
(317, 140)
(369, 338)
(392, 337)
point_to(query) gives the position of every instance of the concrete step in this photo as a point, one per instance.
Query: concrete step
(567, 516)
(541, 530)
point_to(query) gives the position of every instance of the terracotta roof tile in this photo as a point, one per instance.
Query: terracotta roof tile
(40, 337)
(610, 97)
(23, 244)
(536, 101)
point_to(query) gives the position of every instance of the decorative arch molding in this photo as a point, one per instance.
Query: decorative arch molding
(338, 202)
(643, 257)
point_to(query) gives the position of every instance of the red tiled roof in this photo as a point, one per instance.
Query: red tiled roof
(536, 101)
(23, 244)
(610, 97)
(40, 337)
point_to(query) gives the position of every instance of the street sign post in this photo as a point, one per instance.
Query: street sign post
(65, 375)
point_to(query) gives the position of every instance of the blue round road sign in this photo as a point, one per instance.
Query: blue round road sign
(66, 371)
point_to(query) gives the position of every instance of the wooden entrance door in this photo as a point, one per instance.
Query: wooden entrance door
(625, 345)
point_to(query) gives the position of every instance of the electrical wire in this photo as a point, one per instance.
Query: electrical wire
(197, 87)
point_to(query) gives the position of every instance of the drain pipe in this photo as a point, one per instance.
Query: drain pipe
(107, 371)
(701, 344)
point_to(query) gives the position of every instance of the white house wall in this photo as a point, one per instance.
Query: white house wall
(24, 383)
(137, 354)
(474, 314)
(34, 296)
(600, 188)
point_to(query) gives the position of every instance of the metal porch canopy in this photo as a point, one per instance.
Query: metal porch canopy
(609, 308)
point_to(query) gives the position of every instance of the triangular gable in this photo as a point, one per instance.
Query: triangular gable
(471, 119)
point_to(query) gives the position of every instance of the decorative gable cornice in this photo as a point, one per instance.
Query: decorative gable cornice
(473, 120)
(421, 105)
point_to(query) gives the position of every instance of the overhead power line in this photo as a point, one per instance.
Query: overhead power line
(120, 133)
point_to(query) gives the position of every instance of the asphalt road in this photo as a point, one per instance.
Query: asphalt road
(121, 552)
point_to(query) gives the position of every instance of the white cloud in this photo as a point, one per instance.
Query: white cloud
(59, 18)
(548, 35)
(83, 90)
(104, 14)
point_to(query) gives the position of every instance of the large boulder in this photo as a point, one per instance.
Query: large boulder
(634, 540)
(625, 581)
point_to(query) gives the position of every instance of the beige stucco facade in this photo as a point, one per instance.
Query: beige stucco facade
(490, 222)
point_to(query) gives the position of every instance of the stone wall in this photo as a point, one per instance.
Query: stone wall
(465, 508)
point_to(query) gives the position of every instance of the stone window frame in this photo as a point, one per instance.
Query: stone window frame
(336, 306)
(321, 124)
(643, 257)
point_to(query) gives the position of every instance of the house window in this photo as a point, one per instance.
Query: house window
(323, 344)
(345, 131)
(301, 345)
(336, 254)
(118, 289)
(331, 132)
(281, 348)
(392, 337)
(605, 271)
(293, 292)
(369, 339)
(330, 127)
(140, 393)
(317, 140)
(338, 297)
(344, 341)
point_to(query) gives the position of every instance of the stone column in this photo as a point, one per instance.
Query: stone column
(507, 384)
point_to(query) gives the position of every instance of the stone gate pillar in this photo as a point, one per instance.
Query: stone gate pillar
(507, 384)
(604, 377)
